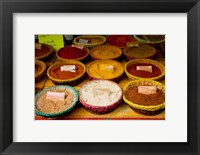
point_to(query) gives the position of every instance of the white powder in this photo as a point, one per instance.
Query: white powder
(100, 93)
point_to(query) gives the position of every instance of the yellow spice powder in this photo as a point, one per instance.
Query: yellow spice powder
(105, 69)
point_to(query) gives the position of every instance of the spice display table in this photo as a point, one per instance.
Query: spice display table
(122, 112)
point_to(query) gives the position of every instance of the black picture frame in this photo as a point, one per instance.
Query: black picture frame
(8, 7)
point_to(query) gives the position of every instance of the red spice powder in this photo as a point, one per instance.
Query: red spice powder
(39, 52)
(58, 74)
(69, 52)
(144, 74)
(119, 40)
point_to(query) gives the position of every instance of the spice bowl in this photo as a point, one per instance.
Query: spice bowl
(158, 70)
(54, 108)
(100, 96)
(72, 53)
(43, 52)
(89, 41)
(138, 102)
(105, 70)
(40, 68)
(59, 76)
(105, 52)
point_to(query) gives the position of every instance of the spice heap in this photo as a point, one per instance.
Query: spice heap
(69, 52)
(105, 52)
(55, 101)
(143, 99)
(141, 52)
(100, 93)
(145, 96)
(105, 69)
(119, 40)
(58, 72)
(132, 69)
(42, 50)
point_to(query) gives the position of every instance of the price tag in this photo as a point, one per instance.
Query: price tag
(56, 41)
(55, 96)
(106, 67)
(78, 46)
(38, 46)
(144, 68)
(70, 68)
(83, 41)
(132, 44)
(147, 90)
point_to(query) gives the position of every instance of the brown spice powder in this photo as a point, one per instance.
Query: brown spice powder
(154, 99)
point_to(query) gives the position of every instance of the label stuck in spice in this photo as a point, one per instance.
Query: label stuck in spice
(106, 67)
(83, 41)
(70, 68)
(78, 46)
(144, 68)
(55, 96)
(38, 46)
(147, 90)
(132, 44)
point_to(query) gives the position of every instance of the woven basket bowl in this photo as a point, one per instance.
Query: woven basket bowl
(77, 59)
(66, 62)
(75, 41)
(45, 55)
(148, 61)
(99, 109)
(66, 111)
(159, 86)
(125, 52)
(116, 78)
(41, 73)
(97, 57)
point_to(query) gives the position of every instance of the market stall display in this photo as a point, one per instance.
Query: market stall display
(101, 89)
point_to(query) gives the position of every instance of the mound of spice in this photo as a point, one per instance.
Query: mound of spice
(145, 99)
(69, 52)
(43, 50)
(38, 68)
(105, 52)
(132, 69)
(119, 40)
(105, 69)
(54, 101)
(58, 73)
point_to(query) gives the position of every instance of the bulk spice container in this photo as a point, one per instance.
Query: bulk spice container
(105, 60)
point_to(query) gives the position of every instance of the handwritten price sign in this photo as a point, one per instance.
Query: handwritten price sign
(56, 41)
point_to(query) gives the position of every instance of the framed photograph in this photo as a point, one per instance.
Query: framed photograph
(111, 77)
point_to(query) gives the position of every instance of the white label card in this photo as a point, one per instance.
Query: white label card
(147, 90)
(144, 68)
(70, 68)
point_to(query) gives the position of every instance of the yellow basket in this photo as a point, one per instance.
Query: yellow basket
(76, 40)
(159, 86)
(41, 72)
(147, 61)
(68, 62)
